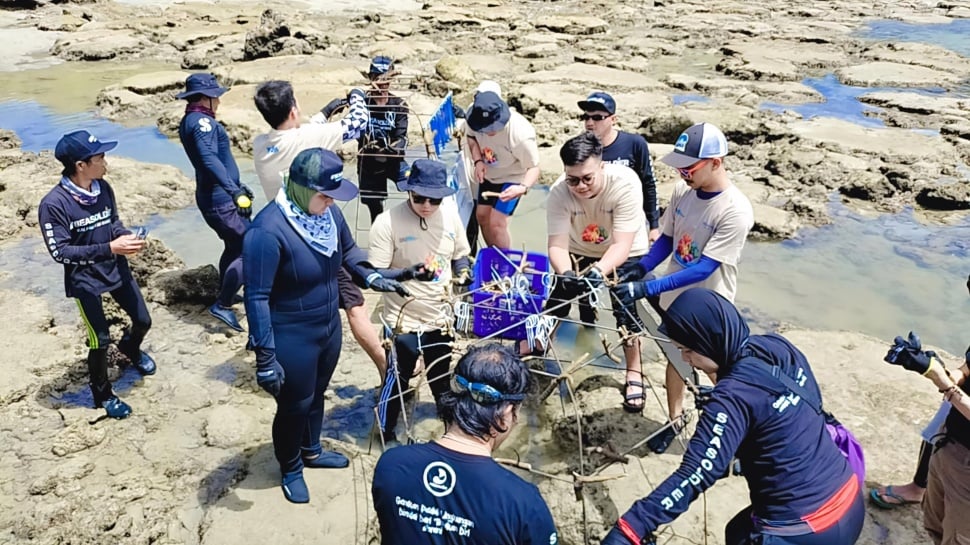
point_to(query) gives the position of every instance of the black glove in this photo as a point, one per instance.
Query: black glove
(966, 357)
(249, 192)
(702, 396)
(333, 106)
(637, 272)
(419, 272)
(387, 285)
(243, 200)
(909, 354)
(629, 293)
(269, 372)
(464, 278)
(571, 282)
(593, 278)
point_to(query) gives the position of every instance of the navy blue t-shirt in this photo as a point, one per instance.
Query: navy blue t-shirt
(79, 236)
(207, 144)
(630, 150)
(430, 494)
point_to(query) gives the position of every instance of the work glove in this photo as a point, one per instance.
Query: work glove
(628, 293)
(909, 354)
(249, 192)
(593, 278)
(269, 373)
(636, 272)
(356, 94)
(387, 285)
(333, 106)
(702, 396)
(571, 282)
(419, 272)
(243, 199)
(464, 278)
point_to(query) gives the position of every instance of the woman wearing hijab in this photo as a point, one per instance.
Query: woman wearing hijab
(291, 256)
(802, 489)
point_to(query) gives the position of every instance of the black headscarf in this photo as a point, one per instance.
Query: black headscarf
(710, 325)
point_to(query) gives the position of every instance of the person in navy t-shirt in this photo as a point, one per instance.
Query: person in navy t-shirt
(802, 489)
(79, 221)
(225, 203)
(451, 491)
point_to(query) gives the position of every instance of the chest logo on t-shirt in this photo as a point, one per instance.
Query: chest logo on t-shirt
(439, 479)
(687, 252)
(488, 155)
(436, 265)
(595, 234)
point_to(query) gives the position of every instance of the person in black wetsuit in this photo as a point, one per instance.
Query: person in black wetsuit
(225, 203)
(79, 221)
(292, 255)
(802, 489)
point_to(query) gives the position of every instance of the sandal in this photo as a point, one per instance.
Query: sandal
(879, 500)
(628, 398)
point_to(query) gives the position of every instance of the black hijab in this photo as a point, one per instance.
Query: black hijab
(710, 325)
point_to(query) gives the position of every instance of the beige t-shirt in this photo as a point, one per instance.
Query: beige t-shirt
(716, 227)
(274, 151)
(591, 223)
(510, 152)
(397, 241)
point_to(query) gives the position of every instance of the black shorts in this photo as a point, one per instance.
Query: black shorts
(350, 295)
(508, 208)
(373, 174)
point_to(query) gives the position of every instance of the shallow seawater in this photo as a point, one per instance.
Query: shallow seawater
(954, 35)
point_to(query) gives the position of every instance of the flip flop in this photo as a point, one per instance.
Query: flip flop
(627, 397)
(879, 500)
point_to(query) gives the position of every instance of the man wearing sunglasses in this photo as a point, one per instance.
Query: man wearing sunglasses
(419, 231)
(704, 229)
(450, 490)
(596, 227)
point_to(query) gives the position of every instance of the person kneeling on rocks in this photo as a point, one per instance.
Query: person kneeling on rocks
(80, 224)
(469, 498)
(292, 255)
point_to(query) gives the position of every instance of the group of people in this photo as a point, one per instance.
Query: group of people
(299, 263)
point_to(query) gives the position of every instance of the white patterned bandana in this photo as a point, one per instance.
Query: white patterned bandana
(320, 232)
(82, 196)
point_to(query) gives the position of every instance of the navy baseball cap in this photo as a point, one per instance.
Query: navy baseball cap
(489, 113)
(428, 178)
(379, 66)
(80, 146)
(598, 101)
(202, 84)
(701, 141)
(322, 171)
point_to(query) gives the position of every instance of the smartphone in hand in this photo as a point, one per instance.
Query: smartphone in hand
(141, 232)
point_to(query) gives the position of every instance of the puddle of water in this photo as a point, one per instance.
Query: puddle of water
(689, 97)
(954, 36)
(841, 101)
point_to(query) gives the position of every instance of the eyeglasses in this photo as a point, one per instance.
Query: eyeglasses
(482, 393)
(418, 199)
(688, 173)
(594, 117)
(587, 180)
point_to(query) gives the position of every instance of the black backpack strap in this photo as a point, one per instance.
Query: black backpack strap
(774, 372)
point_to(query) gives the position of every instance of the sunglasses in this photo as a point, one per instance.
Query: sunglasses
(585, 180)
(418, 199)
(594, 117)
(481, 393)
(688, 173)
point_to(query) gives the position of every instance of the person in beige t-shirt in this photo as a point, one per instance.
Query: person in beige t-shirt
(703, 231)
(419, 230)
(274, 151)
(502, 146)
(597, 227)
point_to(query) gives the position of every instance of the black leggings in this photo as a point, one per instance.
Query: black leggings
(741, 531)
(128, 296)
(435, 346)
(230, 226)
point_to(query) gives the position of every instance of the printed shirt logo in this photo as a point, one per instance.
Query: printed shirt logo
(439, 479)
(204, 124)
(687, 253)
(681, 143)
(436, 264)
(488, 154)
(595, 234)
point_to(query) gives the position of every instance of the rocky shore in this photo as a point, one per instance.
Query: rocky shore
(194, 464)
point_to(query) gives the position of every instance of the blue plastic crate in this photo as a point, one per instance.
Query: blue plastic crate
(505, 314)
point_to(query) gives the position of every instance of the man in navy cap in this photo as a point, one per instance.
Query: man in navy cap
(225, 203)
(80, 224)
(503, 148)
(704, 229)
(419, 231)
